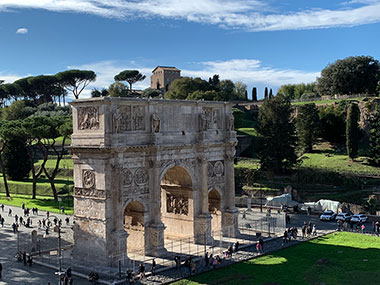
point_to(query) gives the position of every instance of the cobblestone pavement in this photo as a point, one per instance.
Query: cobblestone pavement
(16, 272)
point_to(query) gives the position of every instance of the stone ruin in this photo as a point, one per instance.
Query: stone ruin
(147, 170)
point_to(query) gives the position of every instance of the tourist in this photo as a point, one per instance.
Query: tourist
(236, 246)
(30, 260)
(23, 206)
(177, 261)
(377, 227)
(44, 223)
(261, 242)
(192, 266)
(14, 227)
(351, 226)
(21, 220)
(206, 260)
(363, 228)
(304, 231)
(230, 250)
(67, 221)
(129, 278)
(153, 267)
(142, 271)
(2, 207)
(211, 260)
(47, 215)
(218, 259)
(39, 224)
(10, 212)
(314, 230)
(24, 257)
(63, 210)
(258, 247)
(285, 237)
(1, 270)
(2, 222)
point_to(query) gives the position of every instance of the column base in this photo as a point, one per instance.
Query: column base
(202, 229)
(154, 240)
(230, 224)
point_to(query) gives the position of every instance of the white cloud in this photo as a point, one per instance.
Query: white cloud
(251, 15)
(249, 71)
(9, 77)
(22, 31)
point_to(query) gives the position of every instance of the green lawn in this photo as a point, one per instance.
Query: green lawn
(42, 202)
(340, 258)
(321, 102)
(247, 131)
(66, 163)
(339, 163)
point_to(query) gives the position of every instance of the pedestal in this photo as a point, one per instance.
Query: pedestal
(230, 224)
(154, 240)
(202, 229)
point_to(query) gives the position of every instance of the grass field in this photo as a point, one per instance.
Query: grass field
(65, 163)
(322, 102)
(42, 202)
(340, 258)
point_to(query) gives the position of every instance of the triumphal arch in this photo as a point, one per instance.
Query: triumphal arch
(148, 170)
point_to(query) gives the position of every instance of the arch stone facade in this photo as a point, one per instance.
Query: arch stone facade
(123, 148)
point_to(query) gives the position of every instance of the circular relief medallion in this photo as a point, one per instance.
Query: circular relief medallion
(218, 168)
(141, 176)
(88, 178)
(210, 169)
(127, 177)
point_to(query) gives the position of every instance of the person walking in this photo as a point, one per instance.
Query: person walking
(153, 266)
(24, 257)
(14, 227)
(206, 260)
(10, 212)
(261, 242)
(1, 270)
(2, 207)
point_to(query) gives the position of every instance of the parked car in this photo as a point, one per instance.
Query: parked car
(343, 217)
(327, 216)
(359, 218)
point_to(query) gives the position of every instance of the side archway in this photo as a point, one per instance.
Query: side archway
(134, 225)
(215, 210)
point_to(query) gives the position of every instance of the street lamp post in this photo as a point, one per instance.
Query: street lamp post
(58, 228)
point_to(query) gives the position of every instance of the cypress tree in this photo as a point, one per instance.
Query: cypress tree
(270, 94)
(308, 126)
(277, 135)
(266, 93)
(374, 139)
(352, 130)
(254, 94)
(246, 94)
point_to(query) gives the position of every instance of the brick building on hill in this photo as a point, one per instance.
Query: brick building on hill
(163, 76)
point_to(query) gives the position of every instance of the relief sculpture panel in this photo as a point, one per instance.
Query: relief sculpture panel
(88, 118)
(128, 118)
(88, 178)
(215, 172)
(177, 204)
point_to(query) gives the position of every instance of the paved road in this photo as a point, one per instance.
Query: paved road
(15, 272)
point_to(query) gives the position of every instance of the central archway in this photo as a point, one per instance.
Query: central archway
(177, 203)
(134, 225)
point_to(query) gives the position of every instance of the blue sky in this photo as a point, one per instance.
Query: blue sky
(261, 43)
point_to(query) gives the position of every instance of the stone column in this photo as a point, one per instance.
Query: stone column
(202, 222)
(154, 231)
(230, 213)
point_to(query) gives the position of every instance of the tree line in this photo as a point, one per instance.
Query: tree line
(283, 135)
(348, 76)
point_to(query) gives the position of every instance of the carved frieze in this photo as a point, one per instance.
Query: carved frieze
(92, 193)
(88, 178)
(141, 176)
(128, 118)
(190, 163)
(88, 118)
(177, 204)
(127, 177)
(135, 190)
(138, 118)
(215, 168)
(209, 119)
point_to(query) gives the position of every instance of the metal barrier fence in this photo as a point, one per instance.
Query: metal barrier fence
(250, 229)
